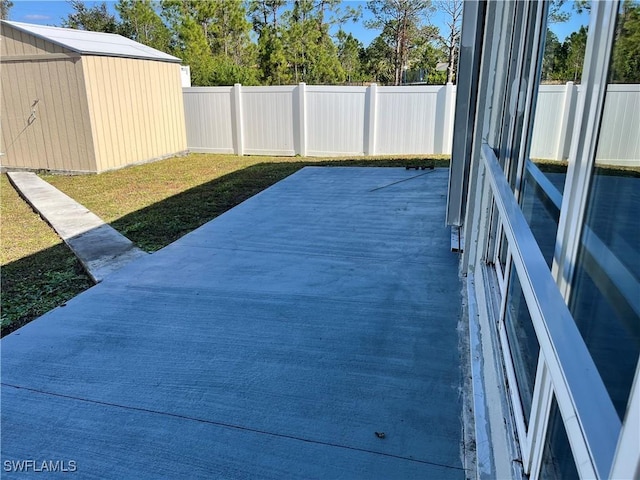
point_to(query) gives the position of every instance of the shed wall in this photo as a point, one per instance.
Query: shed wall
(16, 42)
(136, 110)
(57, 136)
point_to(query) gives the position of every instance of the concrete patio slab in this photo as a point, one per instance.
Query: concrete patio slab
(273, 342)
(100, 248)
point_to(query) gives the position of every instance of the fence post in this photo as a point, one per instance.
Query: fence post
(447, 121)
(236, 112)
(566, 126)
(370, 120)
(300, 127)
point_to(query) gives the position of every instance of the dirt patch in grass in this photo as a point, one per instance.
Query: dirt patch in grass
(152, 204)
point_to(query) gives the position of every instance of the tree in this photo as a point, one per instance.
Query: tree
(140, 22)
(229, 32)
(95, 19)
(265, 13)
(555, 58)
(309, 49)
(349, 49)
(377, 60)
(274, 68)
(271, 57)
(625, 63)
(428, 54)
(401, 19)
(576, 46)
(194, 51)
(556, 15)
(5, 6)
(450, 41)
(213, 38)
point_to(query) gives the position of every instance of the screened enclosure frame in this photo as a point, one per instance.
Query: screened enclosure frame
(500, 243)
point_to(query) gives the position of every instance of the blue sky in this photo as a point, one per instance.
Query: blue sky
(52, 13)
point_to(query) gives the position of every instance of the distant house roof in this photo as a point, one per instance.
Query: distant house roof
(94, 43)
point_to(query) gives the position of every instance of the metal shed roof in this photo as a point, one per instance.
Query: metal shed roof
(94, 43)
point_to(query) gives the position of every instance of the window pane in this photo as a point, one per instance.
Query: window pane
(554, 120)
(606, 288)
(557, 459)
(540, 205)
(523, 343)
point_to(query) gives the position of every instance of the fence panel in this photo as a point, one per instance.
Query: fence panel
(335, 120)
(619, 142)
(332, 121)
(408, 120)
(267, 120)
(208, 119)
(547, 125)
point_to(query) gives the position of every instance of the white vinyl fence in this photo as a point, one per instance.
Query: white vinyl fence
(320, 121)
(556, 117)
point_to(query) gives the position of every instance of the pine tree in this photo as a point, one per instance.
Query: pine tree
(401, 19)
(140, 22)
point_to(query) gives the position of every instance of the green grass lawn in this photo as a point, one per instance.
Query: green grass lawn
(152, 204)
(38, 271)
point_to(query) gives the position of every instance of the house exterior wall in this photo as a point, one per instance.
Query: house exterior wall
(136, 110)
(53, 133)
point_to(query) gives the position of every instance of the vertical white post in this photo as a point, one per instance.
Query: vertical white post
(370, 120)
(566, 125)
(236, 112)
(447, 121)
(301, 124)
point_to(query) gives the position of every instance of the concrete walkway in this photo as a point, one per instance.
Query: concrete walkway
(310, 332)
(100, 248)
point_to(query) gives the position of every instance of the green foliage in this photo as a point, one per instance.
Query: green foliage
(192, 47)
(554, 59)
(400, 21)
(349, 51)
(427, 56)
(625, 63)
(311, 54)
(213, 38)
(292, 41)
(95, 19)
(272, 59)
(563, 62)
(225, 71)
(376, 60)
(140, 22)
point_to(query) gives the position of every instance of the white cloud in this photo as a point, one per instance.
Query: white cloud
(37, 17)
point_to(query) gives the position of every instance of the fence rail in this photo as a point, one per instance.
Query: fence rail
(318, 121)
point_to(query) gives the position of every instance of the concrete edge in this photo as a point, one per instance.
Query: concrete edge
(96, 268)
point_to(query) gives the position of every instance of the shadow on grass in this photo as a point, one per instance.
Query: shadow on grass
(40, 282)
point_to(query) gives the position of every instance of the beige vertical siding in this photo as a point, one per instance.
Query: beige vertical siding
(136, 110)
(15, 42)
(94, 113)
(59, 136)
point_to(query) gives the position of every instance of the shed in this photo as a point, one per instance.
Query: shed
(79, 101)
